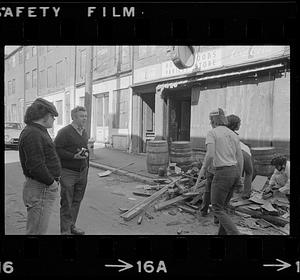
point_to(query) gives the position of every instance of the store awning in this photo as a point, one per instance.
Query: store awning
(175, 84)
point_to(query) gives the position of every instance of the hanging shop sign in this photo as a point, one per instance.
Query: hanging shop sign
(182, 56)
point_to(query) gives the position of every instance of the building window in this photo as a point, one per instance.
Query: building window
(41, 50)
(125, 56)
(34, 78)
(27, 54)
(60, 77)
(9, 87)
(33, 51)
(82, 63)
(50, 77)
(59, 108)
(120, 103)
(13, 61)
(42, 79)
(13, 112)
(21, 56)
(49, 48)
(27, 82)
(81, 101)
(13, 86)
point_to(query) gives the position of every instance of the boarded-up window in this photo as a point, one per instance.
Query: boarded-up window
(105, 58)
(120, 103)
(59, 108)
(34, 78)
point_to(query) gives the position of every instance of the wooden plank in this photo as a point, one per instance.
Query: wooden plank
(259, 182)
(141, 194)
(138, 208)
(258, 215)
(169, 202)
(187, 209)
(139, 221)
(196, 199)
(240, 203)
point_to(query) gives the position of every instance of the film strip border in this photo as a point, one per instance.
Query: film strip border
(176, 256)
(157, 23)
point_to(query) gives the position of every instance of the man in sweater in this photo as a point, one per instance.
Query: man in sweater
(40, 164)
(75, 162)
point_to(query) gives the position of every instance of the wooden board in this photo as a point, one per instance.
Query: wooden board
(138, 208)
(240, 203)
(187, 209)
(169, 202)
(259, 182)
(141, 194)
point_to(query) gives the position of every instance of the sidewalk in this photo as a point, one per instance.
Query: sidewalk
(109, 159)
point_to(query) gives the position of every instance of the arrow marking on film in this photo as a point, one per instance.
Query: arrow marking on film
(124, 266)
(282, 266)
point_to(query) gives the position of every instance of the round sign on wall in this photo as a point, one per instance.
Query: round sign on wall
(183, 56)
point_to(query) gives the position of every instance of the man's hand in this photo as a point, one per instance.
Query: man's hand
(78, 156)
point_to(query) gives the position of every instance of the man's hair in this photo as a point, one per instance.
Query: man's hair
(218, 118)
(278, 160)
(77, 109)
(233, 122)
(35, 112)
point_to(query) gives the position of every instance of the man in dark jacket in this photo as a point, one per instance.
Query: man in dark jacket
(40, 164)
(70, 142)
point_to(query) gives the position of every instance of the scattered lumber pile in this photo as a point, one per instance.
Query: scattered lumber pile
(265, 211)
(177, 190)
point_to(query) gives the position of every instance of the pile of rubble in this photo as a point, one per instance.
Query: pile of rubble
(178, 189)
(263, 210)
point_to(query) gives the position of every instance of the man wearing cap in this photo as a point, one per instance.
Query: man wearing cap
(40, 164)
(71, 146)
(223, 151)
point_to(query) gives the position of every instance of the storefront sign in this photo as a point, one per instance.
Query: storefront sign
(235, 55)
(204, 61)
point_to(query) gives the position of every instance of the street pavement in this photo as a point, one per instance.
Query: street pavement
(99, 213)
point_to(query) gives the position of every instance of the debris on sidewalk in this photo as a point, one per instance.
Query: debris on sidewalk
(267, 211)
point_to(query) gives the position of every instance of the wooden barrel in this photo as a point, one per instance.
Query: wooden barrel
(181, 153)
(262, 157)
(157, 156)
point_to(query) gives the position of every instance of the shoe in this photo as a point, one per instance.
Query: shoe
(77, 231)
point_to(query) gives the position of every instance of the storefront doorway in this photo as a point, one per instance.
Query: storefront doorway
(101, 117)
(179, 115)
(148, 115)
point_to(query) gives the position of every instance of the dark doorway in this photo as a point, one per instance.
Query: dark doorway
(179, 116)
(148, 109)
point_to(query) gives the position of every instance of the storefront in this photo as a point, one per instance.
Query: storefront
(252, 82)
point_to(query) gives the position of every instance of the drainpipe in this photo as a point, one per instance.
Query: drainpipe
(131, 111)
(74, 93)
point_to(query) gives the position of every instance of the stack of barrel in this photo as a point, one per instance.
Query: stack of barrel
(181, 154)
(157, 156)
(262, 160)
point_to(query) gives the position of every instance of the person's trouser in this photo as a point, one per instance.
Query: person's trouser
(248, 174)
(73, 185)
(206, 195)
(39, 200)
(223, 184)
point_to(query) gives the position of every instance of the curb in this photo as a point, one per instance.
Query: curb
(132, 175)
